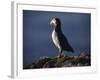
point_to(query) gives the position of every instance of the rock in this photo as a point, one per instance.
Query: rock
(67, 61)
(30, 66)
(68, 65)
(42, 61)
(50, 64)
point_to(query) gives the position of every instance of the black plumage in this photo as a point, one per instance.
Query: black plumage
(64, 42)
(59, 38)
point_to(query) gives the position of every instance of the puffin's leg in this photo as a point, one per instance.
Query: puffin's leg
(61, 54)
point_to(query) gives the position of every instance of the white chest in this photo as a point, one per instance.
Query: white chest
(55, 39)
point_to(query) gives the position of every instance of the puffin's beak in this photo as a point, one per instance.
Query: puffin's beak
(52, 22)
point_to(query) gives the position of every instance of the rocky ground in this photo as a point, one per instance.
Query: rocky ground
(68, 61)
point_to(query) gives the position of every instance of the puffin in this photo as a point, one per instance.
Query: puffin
(59, 39)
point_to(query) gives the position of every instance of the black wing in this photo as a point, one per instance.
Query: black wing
(64, 42)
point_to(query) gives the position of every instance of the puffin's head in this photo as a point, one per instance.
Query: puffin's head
(55, 22)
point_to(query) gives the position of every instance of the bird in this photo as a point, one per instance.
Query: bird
(58, 37)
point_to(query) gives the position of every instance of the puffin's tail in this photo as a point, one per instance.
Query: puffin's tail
(70, 49)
